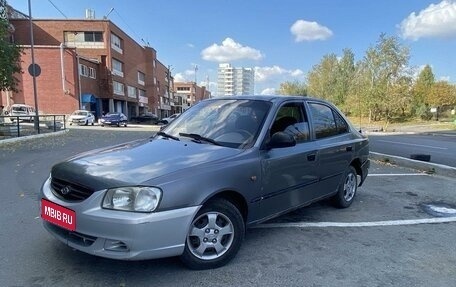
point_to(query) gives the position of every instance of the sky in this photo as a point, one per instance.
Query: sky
(280, 39)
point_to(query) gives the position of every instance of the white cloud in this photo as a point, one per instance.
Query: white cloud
(309, 31)
(186, 76)
(190, 45)
(268, 91)
(444, 78)
(266, 73)
(179, 77)
(437, 20)
(229, 51)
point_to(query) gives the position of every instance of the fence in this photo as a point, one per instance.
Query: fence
(18, 126)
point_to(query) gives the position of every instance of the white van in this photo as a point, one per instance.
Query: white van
(26, 112)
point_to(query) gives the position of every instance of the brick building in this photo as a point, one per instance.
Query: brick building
(187, 94)
(90, 64)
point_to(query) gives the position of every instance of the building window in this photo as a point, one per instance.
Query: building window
(141, 93)
(131, 92)
(118, 88)
(141, 78)
(92, 73)
(183, 89)
(83, 70)
(116, 43)
(117, 68)
(80, 36)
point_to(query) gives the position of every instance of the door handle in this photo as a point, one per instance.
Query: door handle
(349, 148)
(311, 157)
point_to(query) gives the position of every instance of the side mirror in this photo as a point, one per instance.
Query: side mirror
(281, 140)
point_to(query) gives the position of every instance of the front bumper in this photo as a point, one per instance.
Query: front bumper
(119, 234)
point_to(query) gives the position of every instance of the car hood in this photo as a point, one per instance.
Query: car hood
(137, 162)
(77, 117)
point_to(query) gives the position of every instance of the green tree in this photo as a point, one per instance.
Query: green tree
(421, 90)
(295, 88)
(321, 80)
(345, 73)
(386, 65)
(10, 53)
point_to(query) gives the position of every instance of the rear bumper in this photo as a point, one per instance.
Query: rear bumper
(364, 171)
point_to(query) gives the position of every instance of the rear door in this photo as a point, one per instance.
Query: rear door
(335, 145)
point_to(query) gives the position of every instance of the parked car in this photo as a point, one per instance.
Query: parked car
(169, 119)
(148, 118)
(24, 112)
(81, 117)
(192, 189)
(114, 119)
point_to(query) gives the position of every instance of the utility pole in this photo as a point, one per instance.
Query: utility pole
(196, 70)
(34, 70)
(169, 85)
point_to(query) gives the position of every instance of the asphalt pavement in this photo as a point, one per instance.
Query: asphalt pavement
(399, 231)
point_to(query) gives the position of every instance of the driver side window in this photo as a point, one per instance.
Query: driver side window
(291, 119)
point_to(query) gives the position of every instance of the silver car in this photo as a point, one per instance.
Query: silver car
(193, 188)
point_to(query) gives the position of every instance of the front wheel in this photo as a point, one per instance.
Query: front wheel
(215, 236)
(347, 189)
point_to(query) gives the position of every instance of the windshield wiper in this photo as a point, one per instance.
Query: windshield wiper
(168, 136)
(199, 138)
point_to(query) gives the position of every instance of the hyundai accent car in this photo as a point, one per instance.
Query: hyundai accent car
(193, 188)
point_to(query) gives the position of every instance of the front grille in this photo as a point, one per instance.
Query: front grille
(69, 191)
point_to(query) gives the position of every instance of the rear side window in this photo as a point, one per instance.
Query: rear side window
(326, 121)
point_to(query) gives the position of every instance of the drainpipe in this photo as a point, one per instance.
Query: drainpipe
(79, 83)
(62, 67)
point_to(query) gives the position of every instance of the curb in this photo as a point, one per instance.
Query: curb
(25, 138)
(433, 168)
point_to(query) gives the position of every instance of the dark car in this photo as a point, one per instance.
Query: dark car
(150, 119)
(114, 119)
(192, 189)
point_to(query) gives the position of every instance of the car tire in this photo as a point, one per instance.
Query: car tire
(93, 123)
(215, 236)
(118, 124)
(347, 189)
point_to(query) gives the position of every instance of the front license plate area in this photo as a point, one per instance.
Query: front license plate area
(58, 215)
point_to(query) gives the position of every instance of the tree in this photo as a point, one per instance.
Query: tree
(321, 80)
(386, 65)
(10, 53)
(295, 88)
(442, 94)
(421, 90)
(344, 78)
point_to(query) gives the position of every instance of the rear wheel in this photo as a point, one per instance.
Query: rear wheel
(347, 189)
(215, 236)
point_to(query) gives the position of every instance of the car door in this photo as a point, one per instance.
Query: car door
(335, 145)
(288, 174)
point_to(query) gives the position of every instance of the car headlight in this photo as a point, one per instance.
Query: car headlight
(132, 198)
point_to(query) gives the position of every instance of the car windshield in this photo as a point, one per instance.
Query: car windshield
(19, 109)
(80, 113)
(227, 122)
(111, 115)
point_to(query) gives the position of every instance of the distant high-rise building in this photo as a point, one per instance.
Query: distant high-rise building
(235, 81)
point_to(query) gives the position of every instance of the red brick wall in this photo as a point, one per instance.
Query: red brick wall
(50, 95)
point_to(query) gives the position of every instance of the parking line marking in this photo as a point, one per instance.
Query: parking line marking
(419, 145)
(397, 174)
(358, 224)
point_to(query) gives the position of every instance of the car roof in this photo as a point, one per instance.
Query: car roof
(269, 98)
